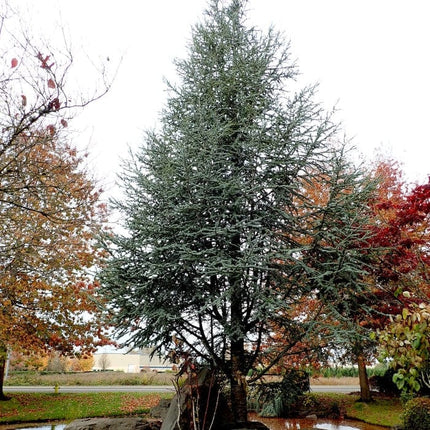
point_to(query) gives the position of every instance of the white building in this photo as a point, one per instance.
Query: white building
(132, 362)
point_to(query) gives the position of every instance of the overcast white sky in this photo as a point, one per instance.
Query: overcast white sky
(371, 58)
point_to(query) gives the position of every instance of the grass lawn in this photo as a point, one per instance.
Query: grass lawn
(67, 407)
(382, 411)
(27, 407)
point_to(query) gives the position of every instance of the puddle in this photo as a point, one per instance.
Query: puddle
(32, 426)
(305, 424)
(272, 423)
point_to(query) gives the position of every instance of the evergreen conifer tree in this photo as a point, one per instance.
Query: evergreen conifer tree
(215, 206)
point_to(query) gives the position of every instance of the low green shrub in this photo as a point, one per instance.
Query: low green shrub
(416, 415)
(339, 372)
(347, 371)
(384, 383)
(322, 405)
(276, 399)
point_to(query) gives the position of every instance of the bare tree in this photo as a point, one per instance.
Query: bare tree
(104, 362)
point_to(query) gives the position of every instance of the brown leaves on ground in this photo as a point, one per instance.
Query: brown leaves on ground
(143, 404)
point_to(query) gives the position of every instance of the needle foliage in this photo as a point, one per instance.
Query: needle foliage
(220, 232)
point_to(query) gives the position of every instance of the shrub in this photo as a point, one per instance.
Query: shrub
(425, 380)
(384, 383)
(339, 372)
(276, 399)
(416, 415)
(347, 371)
(322, 405)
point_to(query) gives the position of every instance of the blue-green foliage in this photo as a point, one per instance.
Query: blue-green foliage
(221, 234)
(277, 399)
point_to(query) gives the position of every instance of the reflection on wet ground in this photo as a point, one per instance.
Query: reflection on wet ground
(52, 426)
(272, 423)
(305, 424)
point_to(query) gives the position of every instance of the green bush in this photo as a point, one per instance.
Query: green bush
(416, 415)
(384, 383)
(323, 405)
(348, 371)
(276, 399)
(339, 372)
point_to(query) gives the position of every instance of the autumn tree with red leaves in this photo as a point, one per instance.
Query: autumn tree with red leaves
(334, 216)
(401, 227)
(399, 259)
(395, 259)
(50, 210)
(400, 233)
(370, 310)
(401, 275)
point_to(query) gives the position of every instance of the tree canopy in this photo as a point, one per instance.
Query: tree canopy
(221, 235)
(401, 316)
(50, 209)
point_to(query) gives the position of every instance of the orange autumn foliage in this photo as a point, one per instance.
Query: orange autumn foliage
(50, 207)
(397, 245)
(50, 212)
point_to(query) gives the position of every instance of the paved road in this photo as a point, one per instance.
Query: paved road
(147, 388)
(335, 388)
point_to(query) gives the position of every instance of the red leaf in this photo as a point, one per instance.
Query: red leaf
(64, 123)
(44, 61)
(24, 100)
(14, 62)
(51, 84)
(54, 105)
(51, 129)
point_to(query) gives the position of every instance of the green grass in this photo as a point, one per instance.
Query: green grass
(67, 407)
(386, 412)
(382, 411)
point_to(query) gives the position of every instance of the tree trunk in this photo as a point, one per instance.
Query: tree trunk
(238, 385)
(365, 395)
(238, 393)
(3, 359)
